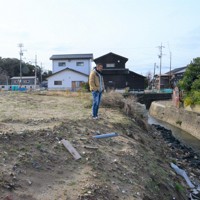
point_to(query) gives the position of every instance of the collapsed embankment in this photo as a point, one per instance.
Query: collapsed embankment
(186, 120)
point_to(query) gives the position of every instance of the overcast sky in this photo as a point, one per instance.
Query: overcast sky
(131, 28)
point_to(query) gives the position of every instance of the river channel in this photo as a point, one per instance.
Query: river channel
(179, 134)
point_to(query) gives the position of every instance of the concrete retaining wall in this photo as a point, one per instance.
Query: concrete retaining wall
(188, 121)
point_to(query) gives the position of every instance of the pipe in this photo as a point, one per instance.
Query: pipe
(105, 135)
(183, 174)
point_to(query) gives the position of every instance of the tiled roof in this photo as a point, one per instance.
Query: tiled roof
(177, 70)
(23, 77)
(112, 54)
(71, 56)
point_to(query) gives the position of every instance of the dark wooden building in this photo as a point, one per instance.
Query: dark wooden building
(116, 76)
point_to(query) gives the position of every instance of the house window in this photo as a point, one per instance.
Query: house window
(110, 65)
(61, 64)
(57, 82)
(79, 63)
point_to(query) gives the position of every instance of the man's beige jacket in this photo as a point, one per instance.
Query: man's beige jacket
(94, 81)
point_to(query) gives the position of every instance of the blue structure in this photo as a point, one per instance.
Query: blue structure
(105, 135)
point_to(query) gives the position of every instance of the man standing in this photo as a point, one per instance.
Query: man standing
(96, 87)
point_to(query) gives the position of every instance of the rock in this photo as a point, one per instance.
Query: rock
(29, 182)
(123, 191)
(138, 194)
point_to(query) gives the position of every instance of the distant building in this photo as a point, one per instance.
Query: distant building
(164, 84)
(116, 76)
(26, 81)
(176, 75)
(169, 79)
(69, 71)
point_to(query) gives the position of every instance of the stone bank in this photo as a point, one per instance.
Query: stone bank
(187, 120)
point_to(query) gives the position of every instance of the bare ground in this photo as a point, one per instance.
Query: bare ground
(34, 165)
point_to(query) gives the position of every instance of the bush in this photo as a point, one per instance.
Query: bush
(85, 87)
(187, 101)
(196, 97)
(128, 105)
(192, 98)
(112, 99)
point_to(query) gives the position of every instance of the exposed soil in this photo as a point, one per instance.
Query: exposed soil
(34, 164)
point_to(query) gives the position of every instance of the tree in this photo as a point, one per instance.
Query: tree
(148, 79)
(46, 74)
(191, 83)
(11, 66)
(3, 77)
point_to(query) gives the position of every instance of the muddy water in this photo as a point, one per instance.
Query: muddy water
(181, 135)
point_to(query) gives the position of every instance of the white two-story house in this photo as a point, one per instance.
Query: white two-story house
(69, 71)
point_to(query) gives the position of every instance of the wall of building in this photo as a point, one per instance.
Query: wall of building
(188, 121)
(72, 65)
(114, 81)
(135, 81)
(66, 77)
(24, 81)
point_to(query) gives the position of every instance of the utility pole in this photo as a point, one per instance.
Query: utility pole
(35, 71)
(160, 57)
(170, 67)
(41, 72)
(20, 45)
(154, 73)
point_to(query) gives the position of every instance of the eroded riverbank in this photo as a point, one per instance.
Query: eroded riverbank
(178, 117)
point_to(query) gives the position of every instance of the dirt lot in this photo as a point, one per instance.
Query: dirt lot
(34, 165)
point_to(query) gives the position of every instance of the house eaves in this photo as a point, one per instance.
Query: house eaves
(177, 70)
(23, 77)
(131, 72)
(66, 69)
(71, 56)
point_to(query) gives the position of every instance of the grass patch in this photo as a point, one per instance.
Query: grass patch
(179, 122)
(179, 187)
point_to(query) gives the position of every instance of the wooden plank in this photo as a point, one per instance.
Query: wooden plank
(71, 149)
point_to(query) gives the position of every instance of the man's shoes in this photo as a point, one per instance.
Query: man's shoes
(95, 118)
